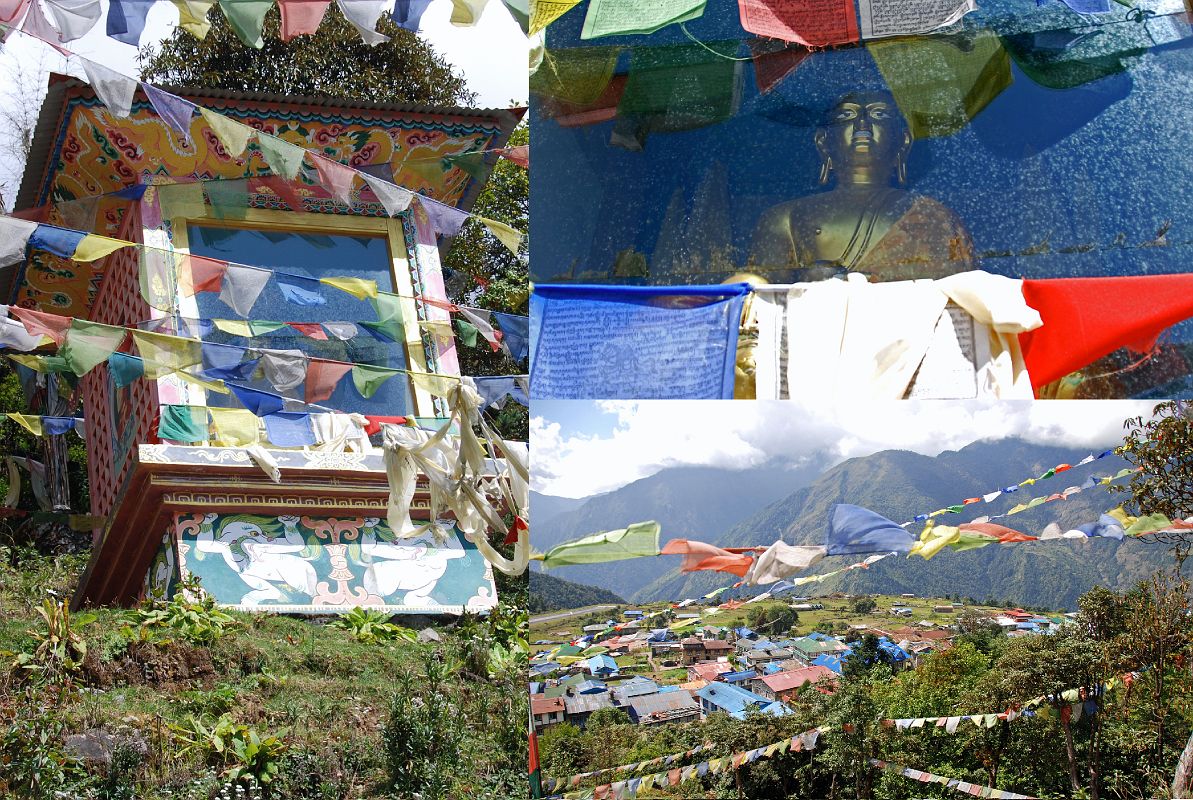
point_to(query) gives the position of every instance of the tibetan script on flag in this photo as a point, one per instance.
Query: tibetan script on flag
(816, 23)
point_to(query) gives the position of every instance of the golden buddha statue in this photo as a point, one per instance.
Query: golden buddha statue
(867, 222)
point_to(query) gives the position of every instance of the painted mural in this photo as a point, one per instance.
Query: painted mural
(162, 576)
(308, 565)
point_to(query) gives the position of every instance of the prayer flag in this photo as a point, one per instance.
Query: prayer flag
(56, 426)
(58, 241)
(368, 378)
(782, 560)
(284, 369)
(641, 342)
(125, 369)
(163, 354)
(173, 109)
(200, 274)
(126, 20)
(92, 247)
(408, 13)
(260, 403)
(336, 178)
(480, 318)
(322, 377)
(311, 330)
(234, 427)
(1084, 319)
(114, 90)
(519, 154)
(301, 17)
(247, 19)
(618, 17)
(300, 290)
(192, 16)
(232, 134)
(89, 343)
(466, 332)
(357, 287)
(283, 158)
(14, 238)
(466, 13)
(445, 220)
(40, 323)
(389, 316)
(702, 556)
(363, 15)
(183, 423)
(73, 18)
(341, 330)
(808, 22)
(289, 429)
(394, 198)
(438, 385)
(29, 422)
(508, 236)
(242, 286)
(637, 540)
(225, 362)
(854, 530)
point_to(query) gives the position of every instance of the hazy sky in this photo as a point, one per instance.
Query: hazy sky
(583, 448)
(492, 56)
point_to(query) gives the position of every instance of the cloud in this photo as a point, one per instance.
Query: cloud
(649, 436)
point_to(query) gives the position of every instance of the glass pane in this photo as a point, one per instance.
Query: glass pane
(315, 256)
(1029, 142)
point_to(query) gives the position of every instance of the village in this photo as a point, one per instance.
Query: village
(665, 663)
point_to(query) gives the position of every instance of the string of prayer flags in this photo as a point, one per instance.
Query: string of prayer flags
(964, 787)
(619, 17)
(47, 426)
(574, 780)
(691, 333)
(635, 541)
(864, 564)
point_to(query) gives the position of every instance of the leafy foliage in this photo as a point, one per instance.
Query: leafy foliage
(372, 627)
(247, 756)
(333, 62)
(423, 733)
(1162, 447)
(61, 646)
(191, 614)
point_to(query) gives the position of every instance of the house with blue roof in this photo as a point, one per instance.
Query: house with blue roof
(735, 701)
(743, 677)
(600, 665)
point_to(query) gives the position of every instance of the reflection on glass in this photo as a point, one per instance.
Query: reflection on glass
(315, 256)
(1029, 142)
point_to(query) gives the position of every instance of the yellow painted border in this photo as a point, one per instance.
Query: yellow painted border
(389, 227)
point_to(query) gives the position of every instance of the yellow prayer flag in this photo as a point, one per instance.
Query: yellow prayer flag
(465, 13)
(234, 135)
(192, 16)
(440, 328)
(544, 12)
(438, 385)
(1017, 509)
(163, 354)
(182, 199)
(93, 247)
(235, 427)
(236, 327)
(29, 422)
(510, 237)
(357, 287)
(204, 383)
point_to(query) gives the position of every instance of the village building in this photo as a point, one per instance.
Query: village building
(664, 708)
(784, 686)
(546, 711)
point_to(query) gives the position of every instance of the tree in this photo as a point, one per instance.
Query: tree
(864, 605)
(1162, 447)
(333, 62)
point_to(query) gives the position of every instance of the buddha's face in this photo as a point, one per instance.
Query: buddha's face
(864, 130)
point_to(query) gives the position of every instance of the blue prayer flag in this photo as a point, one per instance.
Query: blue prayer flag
(55, 426)
(126, 20)
(446, 220)
(635, 342)
(59, 241)
(176, 111)
(260, 403)
(125, 368)
(408, 13)
(515, 334)
(289, 429)
(300, 290)
(1106, 526)
(853, 530)
(223, 362)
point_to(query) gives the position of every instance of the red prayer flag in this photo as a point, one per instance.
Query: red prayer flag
(446, 305)
(301, 16)
(816, 23)
(518, 526)
(701, 556)
(1003, 534)
(311, 329)
(519, 154)
(322, 377)
(375, 423)
(201, 274)
(1087, 318)
(774, 61)
(40, 323)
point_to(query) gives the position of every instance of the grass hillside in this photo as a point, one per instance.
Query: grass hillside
(185, 701)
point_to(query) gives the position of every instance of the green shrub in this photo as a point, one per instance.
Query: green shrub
(423, 734)
(372, 627)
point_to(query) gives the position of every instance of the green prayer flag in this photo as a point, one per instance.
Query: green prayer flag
(471, 163)
(283, 158)
(1047, 474)
(1037, 501)
(260, 327)
(183, 423)
(389, 316)
(616, 17)
(247, 19)
(638, 540)
(368, 378)
(229, 198)
(955, 509)
(232, 134)
(89, 343)
(467, 332)
(163, 354)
